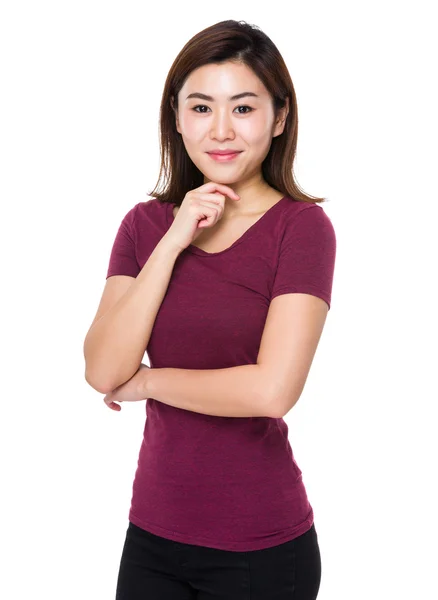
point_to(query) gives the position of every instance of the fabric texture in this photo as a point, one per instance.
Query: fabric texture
(155, 567)
(222, 482)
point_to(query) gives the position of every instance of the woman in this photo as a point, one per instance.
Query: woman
(225, 278)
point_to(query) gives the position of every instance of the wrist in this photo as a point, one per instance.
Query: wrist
(143, 381)
(167, 246)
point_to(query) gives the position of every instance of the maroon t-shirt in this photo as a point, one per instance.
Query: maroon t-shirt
(230, 483)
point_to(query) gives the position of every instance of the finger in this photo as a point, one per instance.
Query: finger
(113, 405)
(222, 188)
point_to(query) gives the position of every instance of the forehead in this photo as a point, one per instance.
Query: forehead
(223, 80)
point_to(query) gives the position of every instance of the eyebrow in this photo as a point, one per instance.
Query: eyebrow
(211, 99)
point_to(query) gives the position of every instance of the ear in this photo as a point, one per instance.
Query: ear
(281, 119)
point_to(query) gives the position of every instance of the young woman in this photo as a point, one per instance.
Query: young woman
(224, 277)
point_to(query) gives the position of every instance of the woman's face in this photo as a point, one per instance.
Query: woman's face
(246, 124)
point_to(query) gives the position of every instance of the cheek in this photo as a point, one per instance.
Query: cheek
(192, 128)
(256, 130)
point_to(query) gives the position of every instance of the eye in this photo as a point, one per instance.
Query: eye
(241, 106)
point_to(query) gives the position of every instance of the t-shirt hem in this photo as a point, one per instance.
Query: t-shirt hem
(285, 536)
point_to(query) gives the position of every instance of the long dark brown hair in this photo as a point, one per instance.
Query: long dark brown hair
(244, 43)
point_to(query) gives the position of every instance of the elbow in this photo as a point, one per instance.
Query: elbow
(273, 398)
(277, 411)
(284, 398)
(284, 405)
(96, 385)
(97, 379)
(276, 406)
(105, 386)
(92, 377)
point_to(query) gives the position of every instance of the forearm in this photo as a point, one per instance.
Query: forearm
(243, 391)
(116, 343)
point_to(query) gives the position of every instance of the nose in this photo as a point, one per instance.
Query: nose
(221, 125)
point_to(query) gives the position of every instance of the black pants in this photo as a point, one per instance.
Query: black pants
(155, 568)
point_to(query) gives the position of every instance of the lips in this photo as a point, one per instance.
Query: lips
(224, 152)
(224, 158)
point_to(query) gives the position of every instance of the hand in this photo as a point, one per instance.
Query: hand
(130, 391)
(201, 208)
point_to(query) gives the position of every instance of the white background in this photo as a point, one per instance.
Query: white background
(81, 87)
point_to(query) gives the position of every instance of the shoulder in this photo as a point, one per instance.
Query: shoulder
(150, 207)
(149, 216)
(293, 208)
(307, 226)
(306, 215)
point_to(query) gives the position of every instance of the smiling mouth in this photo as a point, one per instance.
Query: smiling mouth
(223, 157)
(224, 152)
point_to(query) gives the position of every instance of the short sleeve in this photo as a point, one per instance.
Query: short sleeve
(123, 259)
(307, 255)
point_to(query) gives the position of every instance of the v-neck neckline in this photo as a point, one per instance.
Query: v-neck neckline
(245, 235)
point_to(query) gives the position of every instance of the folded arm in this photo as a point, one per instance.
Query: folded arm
(243, 391)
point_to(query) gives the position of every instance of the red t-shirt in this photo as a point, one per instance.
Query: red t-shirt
(222, 482)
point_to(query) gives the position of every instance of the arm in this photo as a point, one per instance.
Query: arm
(115, 344)
(243, 391)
